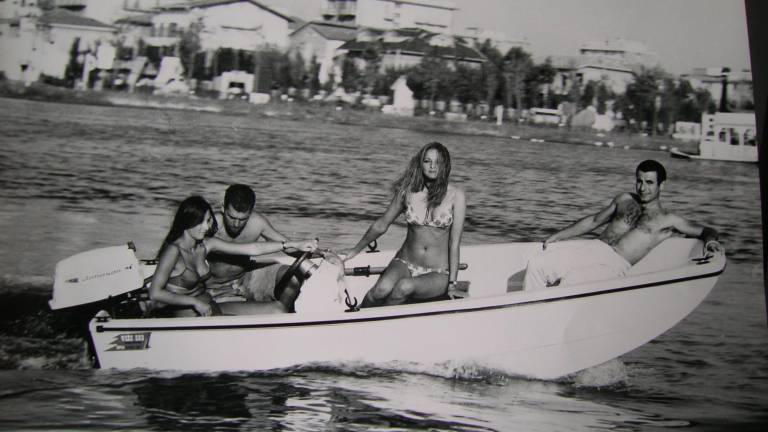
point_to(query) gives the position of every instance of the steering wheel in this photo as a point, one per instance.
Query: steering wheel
(292, 270)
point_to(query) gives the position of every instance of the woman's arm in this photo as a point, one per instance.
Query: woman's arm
(457, 228)
(214, 244)
(378, 227)
(157, 291)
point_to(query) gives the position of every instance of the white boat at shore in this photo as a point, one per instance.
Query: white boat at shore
(725, 137)
(544, 334)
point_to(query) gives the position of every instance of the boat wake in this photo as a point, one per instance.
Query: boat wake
(610, 374)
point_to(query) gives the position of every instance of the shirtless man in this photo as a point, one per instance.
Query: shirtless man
(636, 224)
(239, 278)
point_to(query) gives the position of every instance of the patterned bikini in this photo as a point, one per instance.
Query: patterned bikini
(418, 213)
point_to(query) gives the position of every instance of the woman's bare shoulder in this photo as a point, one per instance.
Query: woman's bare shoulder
(455, 189)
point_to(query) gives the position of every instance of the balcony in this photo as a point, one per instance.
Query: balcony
(337, 9)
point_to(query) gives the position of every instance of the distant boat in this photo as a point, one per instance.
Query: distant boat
(725, 137)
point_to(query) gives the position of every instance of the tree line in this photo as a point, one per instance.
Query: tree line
(654, 100)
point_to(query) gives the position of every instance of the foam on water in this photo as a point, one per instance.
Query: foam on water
(608, 374)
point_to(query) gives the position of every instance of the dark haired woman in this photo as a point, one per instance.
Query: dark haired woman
(427, 264)
(182, 269)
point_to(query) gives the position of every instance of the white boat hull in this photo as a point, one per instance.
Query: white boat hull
(542, 334)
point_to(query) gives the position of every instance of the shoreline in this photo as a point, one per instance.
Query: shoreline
(343, 114)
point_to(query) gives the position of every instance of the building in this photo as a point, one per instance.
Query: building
(403, 48)
(12, 9)
(319, 40)
(236, 24)
(739, 85)
(619, 51)
(614, 63)
(109, 11)
(431, 15)
(500, 40)
(42, 44)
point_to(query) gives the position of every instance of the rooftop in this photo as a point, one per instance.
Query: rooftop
(64, 17)
(331, 31)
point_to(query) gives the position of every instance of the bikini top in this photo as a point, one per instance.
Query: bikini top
(189, 281)
(417, 212)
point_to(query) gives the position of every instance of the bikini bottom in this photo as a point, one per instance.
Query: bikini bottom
(417, 270)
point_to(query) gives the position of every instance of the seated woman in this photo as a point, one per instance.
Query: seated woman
(178, 284)
(427, 264)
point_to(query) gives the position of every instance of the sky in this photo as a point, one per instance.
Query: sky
(684, 33)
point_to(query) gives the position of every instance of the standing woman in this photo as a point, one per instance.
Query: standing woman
(182, 270)
(427, 264)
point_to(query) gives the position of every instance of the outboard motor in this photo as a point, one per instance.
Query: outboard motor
(97, 275)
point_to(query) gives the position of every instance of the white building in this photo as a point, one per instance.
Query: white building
(35, 45)
(12, 9)
(500, 40)
(740, 86)
(432, 15)
(320, 40)
(109, 11)
(236, 24)
(619, 50)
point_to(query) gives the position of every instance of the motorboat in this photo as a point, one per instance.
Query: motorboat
(545, 334)
(725, 137)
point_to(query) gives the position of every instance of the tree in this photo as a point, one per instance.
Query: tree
(74, 69)
(298, 70)
(588, 94)
(468, 84)
(350, 75)
(688, 103)
(432, 77)
(537, 83)
(516, 66)
(491, 71)
(314, 75)
(603, 95)
(639, 101)
(189, 45)
(372, 57)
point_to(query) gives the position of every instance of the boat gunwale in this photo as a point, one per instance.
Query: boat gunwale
(105, 327)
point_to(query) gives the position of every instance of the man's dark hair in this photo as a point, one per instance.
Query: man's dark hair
(651, 165)
(240, 197)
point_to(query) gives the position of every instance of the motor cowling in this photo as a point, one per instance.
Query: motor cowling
(96, 275)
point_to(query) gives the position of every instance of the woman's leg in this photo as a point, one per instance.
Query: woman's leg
(395, 271)
(421, 287)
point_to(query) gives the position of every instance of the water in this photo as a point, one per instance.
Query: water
(74, 178)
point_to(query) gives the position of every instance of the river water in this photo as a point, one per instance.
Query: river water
(74, 178)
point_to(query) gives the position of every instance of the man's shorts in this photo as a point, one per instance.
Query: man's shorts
(254, 285)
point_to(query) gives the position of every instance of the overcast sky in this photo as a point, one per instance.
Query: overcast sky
(684, 33)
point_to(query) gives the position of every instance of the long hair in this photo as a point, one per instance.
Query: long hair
(412, 179)
(191, 212)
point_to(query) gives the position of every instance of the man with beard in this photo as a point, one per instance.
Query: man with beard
(636, 223)
(240, 279)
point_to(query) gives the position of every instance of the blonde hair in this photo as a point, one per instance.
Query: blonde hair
(412, 180)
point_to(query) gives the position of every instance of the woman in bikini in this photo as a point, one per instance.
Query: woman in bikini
(426, 266)
(182, 269)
